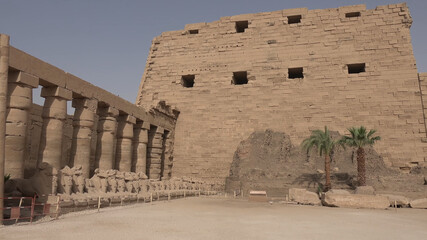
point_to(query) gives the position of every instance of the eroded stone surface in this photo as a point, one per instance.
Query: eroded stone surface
(365, 190)
(303, 196)
(419, 203)
(355, 201)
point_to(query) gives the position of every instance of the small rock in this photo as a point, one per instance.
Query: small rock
(320, 171)
(365, 190)
(419, 203)
(335, 169)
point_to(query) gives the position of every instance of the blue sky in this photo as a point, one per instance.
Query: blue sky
(106, 42)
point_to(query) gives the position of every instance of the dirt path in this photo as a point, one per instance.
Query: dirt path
(213, 218)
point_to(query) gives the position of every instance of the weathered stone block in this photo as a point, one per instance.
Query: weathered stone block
(302, 196)
(419, 203)
(365, 190)
(355, 201)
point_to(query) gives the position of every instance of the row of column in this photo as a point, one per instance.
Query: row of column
(123, 142)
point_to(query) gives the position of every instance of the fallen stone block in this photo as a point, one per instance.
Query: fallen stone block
(339, 191)
(419, 203)
(355, 201)
(258, 196)
(302, 196)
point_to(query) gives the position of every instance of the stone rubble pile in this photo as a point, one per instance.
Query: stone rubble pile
(364, 197)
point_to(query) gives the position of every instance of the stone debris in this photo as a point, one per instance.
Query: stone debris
(419, 203)
(355, 201)
(302, 196)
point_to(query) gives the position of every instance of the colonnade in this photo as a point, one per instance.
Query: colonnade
(108, 132)
(123, 142)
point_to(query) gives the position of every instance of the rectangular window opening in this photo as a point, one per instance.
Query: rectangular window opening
(240, 78)
(241, 26)
(352, 14)
(187, 81)
(295, 73)
(356, 68)
(294, 19)
(194, 31)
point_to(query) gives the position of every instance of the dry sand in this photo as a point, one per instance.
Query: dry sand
(219, 218)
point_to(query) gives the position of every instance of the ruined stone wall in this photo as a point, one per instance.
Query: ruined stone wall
(216, 114)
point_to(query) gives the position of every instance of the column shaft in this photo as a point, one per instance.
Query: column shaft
(19, 102)
(83, 123)
(140, 147)
(4, 69)
(54, 116)
(124, 143)
(107, 128)
(155, 152)
(168, 156)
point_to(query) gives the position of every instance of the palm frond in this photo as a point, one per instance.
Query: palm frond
(359, 137)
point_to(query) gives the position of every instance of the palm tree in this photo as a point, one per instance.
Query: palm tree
(360, 138)
(324, 144)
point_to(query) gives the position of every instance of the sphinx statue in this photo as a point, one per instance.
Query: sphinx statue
(43, 182)
(112, 181)
(103, 178)
(66, 180)
(128, 181)
(78, 179)
(121, 184)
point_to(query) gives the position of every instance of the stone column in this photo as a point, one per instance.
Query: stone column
(4, 69)
(83, 122)
(19, 102)
(105, 146)
(54, 116)
(168, 156)
(140, 146)
(155, 152)
(124, 143)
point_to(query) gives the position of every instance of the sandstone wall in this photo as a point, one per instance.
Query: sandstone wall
(216, 115)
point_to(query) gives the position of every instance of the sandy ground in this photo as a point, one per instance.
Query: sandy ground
(219, 218)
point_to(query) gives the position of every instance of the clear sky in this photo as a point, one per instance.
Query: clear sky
(106, 42)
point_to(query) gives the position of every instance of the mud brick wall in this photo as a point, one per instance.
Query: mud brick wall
(217, 114)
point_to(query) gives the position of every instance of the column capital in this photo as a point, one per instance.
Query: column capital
(127, 118)
(91, 104)
(108, 111)
(142, 125)
(56, 91)
(160, 130)
(23, 78)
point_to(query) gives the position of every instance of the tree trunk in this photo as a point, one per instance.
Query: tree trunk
(361, 168)
(328, 184)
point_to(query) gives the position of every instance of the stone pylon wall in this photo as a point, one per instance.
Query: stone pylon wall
(216, 115)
